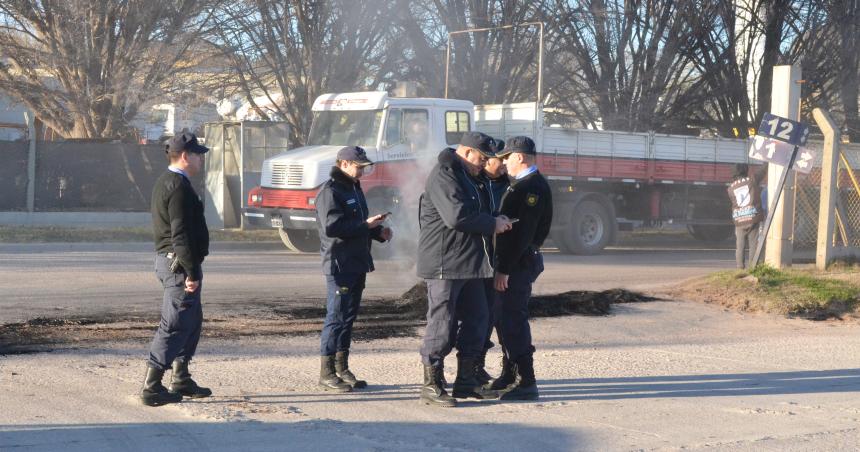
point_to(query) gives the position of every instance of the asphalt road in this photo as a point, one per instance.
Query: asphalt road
(88, 279)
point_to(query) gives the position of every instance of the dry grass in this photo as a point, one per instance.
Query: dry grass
(805, 294)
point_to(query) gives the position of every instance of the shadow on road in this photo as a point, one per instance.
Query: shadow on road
(715, 385)
(304, 435)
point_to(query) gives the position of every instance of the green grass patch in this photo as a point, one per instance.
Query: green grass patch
(45, 234)
(794, 293)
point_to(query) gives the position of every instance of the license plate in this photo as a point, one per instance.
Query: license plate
(277, 222)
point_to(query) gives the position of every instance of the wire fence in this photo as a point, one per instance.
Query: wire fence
(807, 194)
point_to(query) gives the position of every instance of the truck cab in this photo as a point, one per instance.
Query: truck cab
(402, 136)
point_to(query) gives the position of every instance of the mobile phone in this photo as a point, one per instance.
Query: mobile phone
(386, 214)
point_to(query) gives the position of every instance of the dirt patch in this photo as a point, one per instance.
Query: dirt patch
(805, 294)
(379, 319)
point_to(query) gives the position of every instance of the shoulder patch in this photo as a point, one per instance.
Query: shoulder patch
(531, 199)
(350, 201)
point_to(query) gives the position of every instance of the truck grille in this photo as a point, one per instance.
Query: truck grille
(289, 175)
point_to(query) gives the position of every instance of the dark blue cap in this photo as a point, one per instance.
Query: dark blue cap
(499, 146)
(354, 154)
(521, 144)
(480, 141)
(186, 141)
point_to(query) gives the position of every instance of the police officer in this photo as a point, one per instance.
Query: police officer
(747, 212)
(455, 218)
(345, 232)
(496, 182)
(518, 264)
(181, 243)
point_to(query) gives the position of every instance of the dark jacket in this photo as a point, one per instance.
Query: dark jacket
(342, 225)
(178, 225)
(745, 196)
(455, 218)
(497, 187)
(530, 200)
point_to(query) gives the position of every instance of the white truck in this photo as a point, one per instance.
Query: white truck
(601, 180)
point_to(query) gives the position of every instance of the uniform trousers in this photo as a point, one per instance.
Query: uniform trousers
(181, 318)
(450, 300)
(342, 303)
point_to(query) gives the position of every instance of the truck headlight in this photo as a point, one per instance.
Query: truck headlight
(312, 201)
(256, 199)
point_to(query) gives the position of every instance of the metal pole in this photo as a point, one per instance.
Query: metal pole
(31, 161)
(771, 210)
(540, 67)
(447, 63)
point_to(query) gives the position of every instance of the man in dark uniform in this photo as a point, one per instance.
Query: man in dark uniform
(496, 182)
(747, 213)
(518, 264)
(181, 243)
(455, 218)
(345, 232)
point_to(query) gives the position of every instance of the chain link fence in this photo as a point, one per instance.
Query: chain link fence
(807, 194)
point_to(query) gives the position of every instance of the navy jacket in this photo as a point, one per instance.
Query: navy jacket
(530, 200)
(342, 225)
(455, 218)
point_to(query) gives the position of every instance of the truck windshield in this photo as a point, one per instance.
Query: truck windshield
(345, 128)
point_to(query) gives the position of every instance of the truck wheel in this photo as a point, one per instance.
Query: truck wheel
(301, 240)
(588, 231)
(710, 232)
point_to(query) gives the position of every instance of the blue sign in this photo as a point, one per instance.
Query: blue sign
(784, 129)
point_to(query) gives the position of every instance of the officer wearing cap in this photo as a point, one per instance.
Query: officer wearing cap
(455, 217)
(181, 243)
(518, 264)
(345, 231)
(496, 180)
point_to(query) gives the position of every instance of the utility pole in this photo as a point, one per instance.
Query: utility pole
(785, 95)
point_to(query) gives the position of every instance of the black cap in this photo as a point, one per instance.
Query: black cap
(498, 146)
(354, 154)
(521, 144)
(185, 141)
(480, 141)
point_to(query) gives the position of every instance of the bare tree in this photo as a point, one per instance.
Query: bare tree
(492, 66)
(86, 66)
(626, 62)
(292, 51)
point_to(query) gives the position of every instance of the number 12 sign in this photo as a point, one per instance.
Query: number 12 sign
(784, 129)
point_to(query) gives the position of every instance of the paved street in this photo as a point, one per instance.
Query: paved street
(51, 280)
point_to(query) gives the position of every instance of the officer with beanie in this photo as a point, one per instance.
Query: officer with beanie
(518, 264)
(345, 232)
(747, 213)
(181, 243)
(455, 219)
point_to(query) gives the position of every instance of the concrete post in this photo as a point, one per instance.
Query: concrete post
(31, 161)
(785, 102)
(829, 191)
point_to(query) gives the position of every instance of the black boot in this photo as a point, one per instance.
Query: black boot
(182, 383)
(154, 393)
(433, 392)
(480, 372)
(466, 385)
(328, 376)
(341, 367)
(508, 376)
(526, 388)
